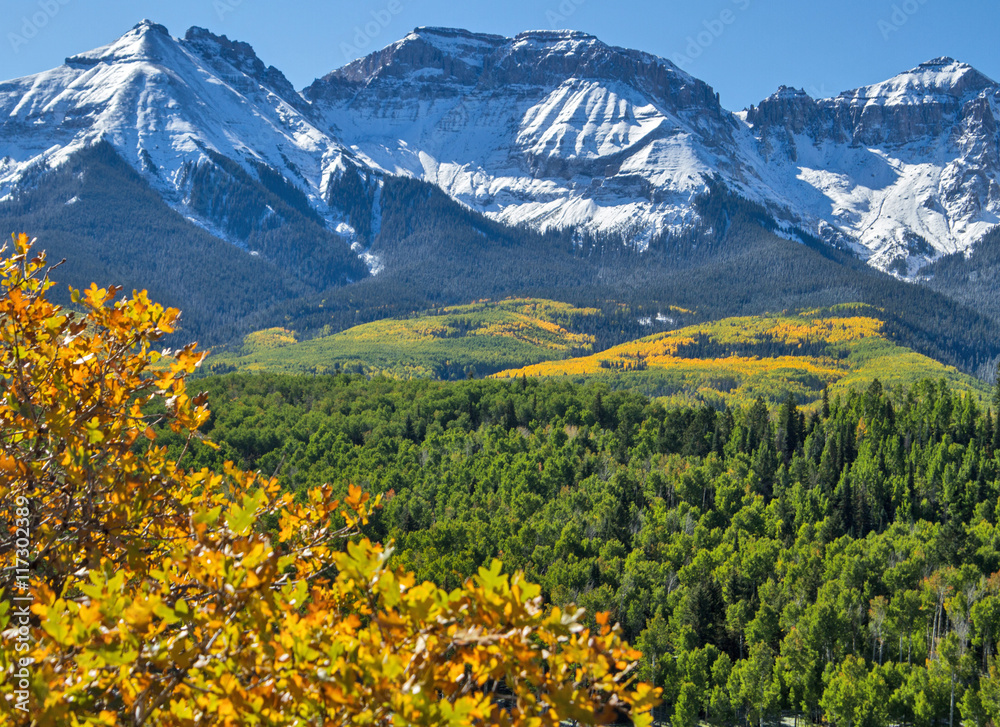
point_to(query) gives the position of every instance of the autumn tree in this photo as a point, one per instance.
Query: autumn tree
(138, 592)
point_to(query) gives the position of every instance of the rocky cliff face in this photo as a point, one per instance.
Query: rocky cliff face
(431, 59)
(790, 110)
(908, 167)
(237, 64)
(926, 102)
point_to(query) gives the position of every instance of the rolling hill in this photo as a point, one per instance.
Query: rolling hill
(735, 360)
(447, 343)
(727, 361)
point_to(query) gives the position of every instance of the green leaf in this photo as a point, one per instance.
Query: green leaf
(240, 520)
(207, 517)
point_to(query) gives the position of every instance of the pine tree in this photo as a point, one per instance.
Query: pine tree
(757, 426)
(843, 505)
(996, 431)
(996, 391)
(509, 415)
(790, 428)
(599, 409)
(989, 432)
(996, 406)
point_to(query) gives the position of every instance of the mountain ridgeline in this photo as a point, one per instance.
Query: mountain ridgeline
(414, 179)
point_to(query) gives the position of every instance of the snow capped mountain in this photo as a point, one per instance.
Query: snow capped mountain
(908, 167)
(167, 105)
(557, 129)
(552, 129)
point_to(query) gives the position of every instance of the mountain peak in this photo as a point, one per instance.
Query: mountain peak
(145, 41)
(431, 30)
(466, 46)
(568, 44)
(944, 70)
(546, 36)
(148, 26)
(939, 79)
(941, 62)
(789, 92)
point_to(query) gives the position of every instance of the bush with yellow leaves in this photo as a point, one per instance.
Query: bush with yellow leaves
(136, 592)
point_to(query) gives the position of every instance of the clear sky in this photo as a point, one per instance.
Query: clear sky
(744, 48)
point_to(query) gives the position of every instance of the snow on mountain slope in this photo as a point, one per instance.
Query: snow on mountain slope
(165, 104)
(551, 128)
(555, 129)
(909, 167)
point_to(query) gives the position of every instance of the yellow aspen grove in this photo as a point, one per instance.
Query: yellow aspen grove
(138, 592)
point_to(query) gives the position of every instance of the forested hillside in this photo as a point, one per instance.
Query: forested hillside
(436, 252)
(181, 264)
(108, 223)
(282, 267)
(733, 361)
(840, 565)
(453, 342)
(727, 362)
(973, 279)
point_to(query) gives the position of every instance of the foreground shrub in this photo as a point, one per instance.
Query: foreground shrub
(138, 592)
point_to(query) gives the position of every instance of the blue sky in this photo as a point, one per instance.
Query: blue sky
(744, 48)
